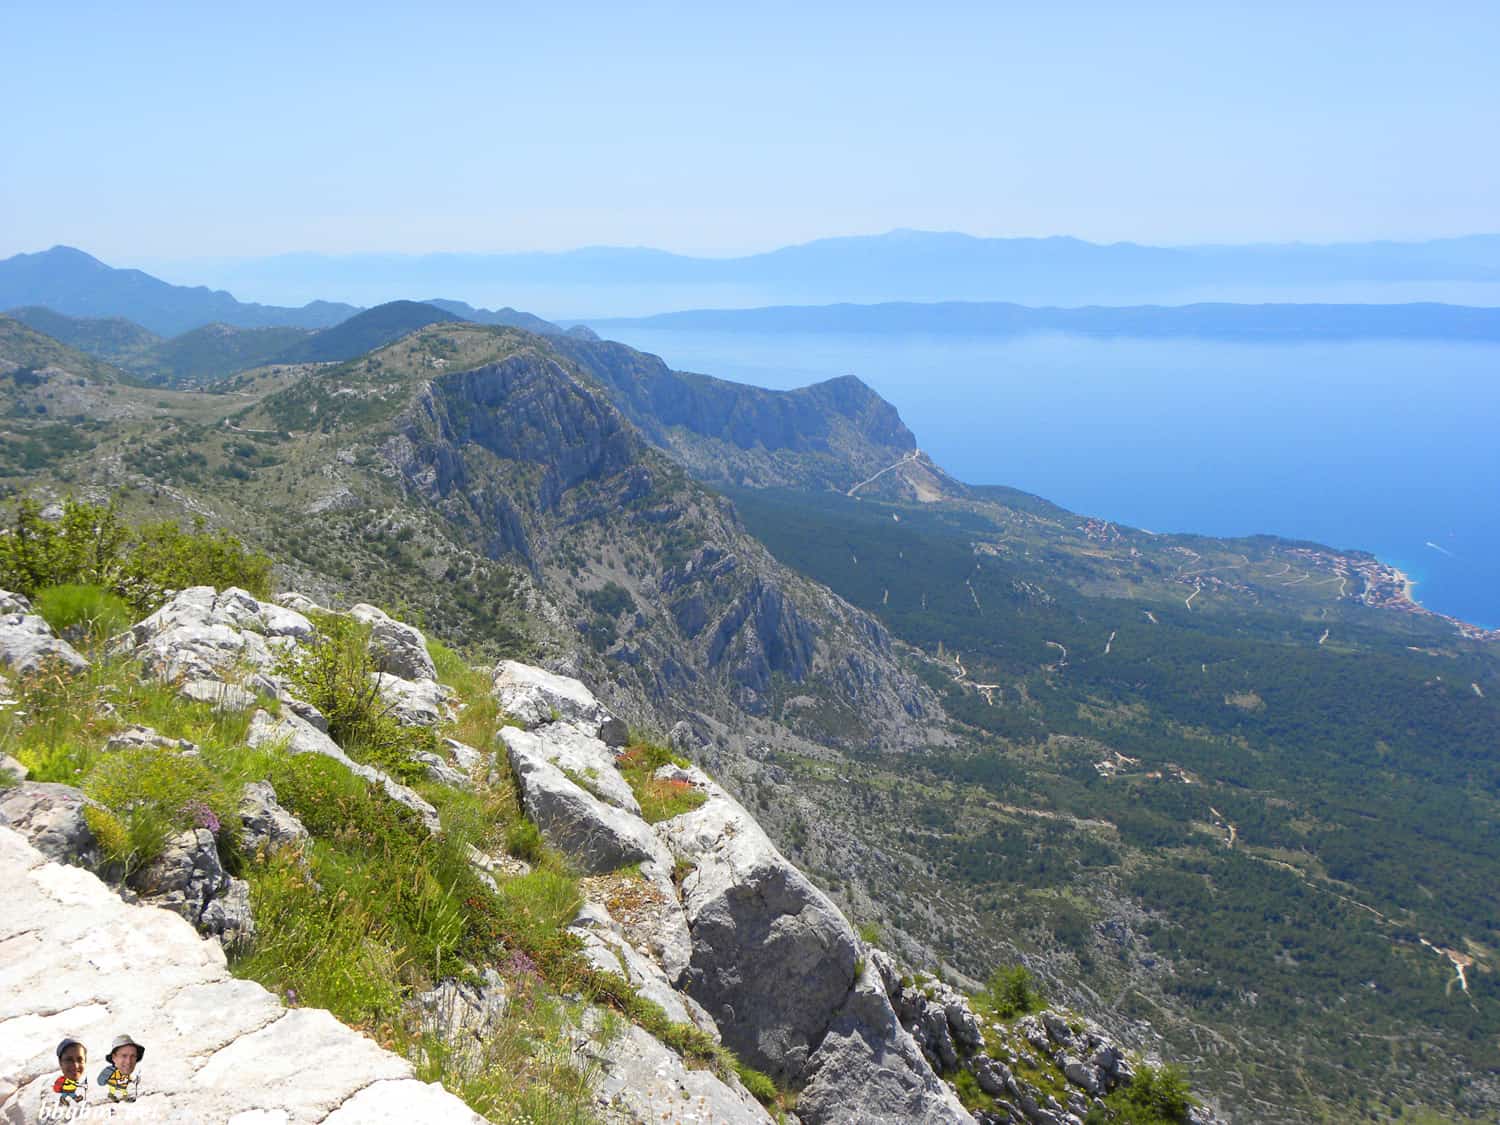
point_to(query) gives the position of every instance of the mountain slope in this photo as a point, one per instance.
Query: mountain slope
(364, 332)
(75, 284)
(1207, 789)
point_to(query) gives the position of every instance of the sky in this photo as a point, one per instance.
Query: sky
(148, 132)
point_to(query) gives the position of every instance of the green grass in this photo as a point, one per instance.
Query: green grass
(659, 799)
(148, 794)
(93, 610)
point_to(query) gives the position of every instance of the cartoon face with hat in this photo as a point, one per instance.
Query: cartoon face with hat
(119, 1077)
(71, 1087)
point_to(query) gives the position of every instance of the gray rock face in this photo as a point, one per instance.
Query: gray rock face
(50, 817)
(137, 736)
(397, 648)
(773, 959)
(868, 1069)
(607, 950)
(455, 1009)
(536, 696)
(298, 736)
(643, 1081)
(27, 642)
(266, 823)
(596, 836)
(415, 703)
(188, 879)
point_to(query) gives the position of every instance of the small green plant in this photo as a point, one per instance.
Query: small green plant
(524, 841)
(869, 933)
(1158, 1095)
(1011, 992)
(337, 675)
(151, 793)
(94, 611)
(659, 798)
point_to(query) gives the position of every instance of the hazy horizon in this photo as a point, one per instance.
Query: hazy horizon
(341, 127)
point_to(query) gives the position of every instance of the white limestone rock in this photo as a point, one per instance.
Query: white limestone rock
(188, 879)
(202, 633)
(266, 823)
(77, 960)
(398, 648)
(415, 703)
(50, 816)
(584, 758)
(643, 1081)
(596, 836)
(28, 644)
(535, 697)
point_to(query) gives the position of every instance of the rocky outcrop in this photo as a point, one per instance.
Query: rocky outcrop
(27, 642)
(202, 633)
(79, 961)
(535, 696)
(398, 649)
(189, 879)
(596, 835)
(778, 967)
(265, 824)
(50, 817)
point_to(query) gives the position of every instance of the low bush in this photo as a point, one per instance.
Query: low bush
(94, 611)
(337, 675)
(1158, 1095)
(89, 544)
(149, 794)
(1010, 992)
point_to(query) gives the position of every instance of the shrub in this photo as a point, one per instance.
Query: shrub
(94, 610)
(336, 674)
(1156, 1096)
(153, 793)
(90, 545)
(1011, 992)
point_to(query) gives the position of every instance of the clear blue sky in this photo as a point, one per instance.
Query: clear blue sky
(186, 130)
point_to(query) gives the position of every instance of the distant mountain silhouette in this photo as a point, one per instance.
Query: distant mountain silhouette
(365, 332)
(901, 265)
(69, 281)
(511, 318)
(1217, 321)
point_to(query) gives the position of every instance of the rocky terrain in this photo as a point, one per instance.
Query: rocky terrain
(698, 911)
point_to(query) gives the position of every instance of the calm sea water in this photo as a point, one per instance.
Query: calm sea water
(1391, 447)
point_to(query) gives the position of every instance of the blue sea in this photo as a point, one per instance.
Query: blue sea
(1390, 447)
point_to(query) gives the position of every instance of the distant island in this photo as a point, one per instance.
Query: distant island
(1427, 321)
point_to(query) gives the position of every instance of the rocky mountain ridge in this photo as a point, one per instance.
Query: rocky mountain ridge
(712, 928)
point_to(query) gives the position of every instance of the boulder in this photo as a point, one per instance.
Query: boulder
(535, 697)
(221, 696)
(50, 816)
(454, 1008)
(584, 758)
(298, 736)
(465, 757)
(397, 648)
(414, 703)
(994, 1077)
(596, 836)
(298, 603)
(136, 736)
(438, 770)
(772, 958)
(641, 1080)
(28, 644)
(12, 767)
(868, 1069)
(188, 879)
(266, 823)
(200, 633)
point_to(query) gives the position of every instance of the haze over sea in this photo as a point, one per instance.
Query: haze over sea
(1384, 446)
